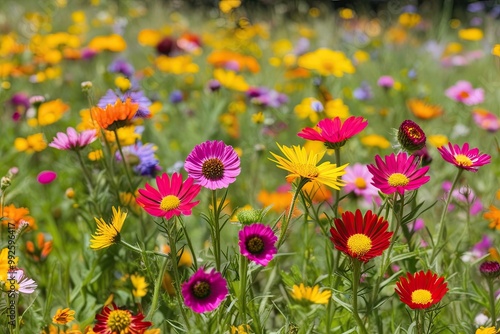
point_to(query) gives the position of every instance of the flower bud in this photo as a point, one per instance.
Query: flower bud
(410, 136)
(490, 269)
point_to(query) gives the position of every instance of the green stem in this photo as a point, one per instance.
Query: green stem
(356, 276)
(243, 288)
(286, 221)
(442, 227)
(86, 173)
(156, 292)
(492, 302)
(419, 316)
(140, 251)
(190, 244)
(337, 191)
(216, 231)
(125, 164)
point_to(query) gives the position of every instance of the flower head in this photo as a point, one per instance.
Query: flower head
(421, 290)
(19, 283)
(72, 140)
(493, 215)
(310, 294)
(361, 237)
(135, 96)
(301, 164)
(423, 110)
(486, 120)
(141, 157)
(410, 136)
(463, 92)
(213, 164)
(257, 243)
(490, 269)
(486, 330)
(398, 173)
(173, 197)
(115, 116)
(385, 81)
(358, 180)
(204, 291)
(463, 157)
(108, 234)
(115, 320)
(333, 133)
(63, 316)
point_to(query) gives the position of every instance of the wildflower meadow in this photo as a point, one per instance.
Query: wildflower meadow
(249, 166)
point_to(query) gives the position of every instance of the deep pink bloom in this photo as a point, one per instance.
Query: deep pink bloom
(46, 176)
(204, 291)
(256, 243)
(464, 158)
(463, 92)
(385, 81)
(173, 197)
(213, 164)
(358, 180)
(333, 133)
(398, 173)
(72, 140)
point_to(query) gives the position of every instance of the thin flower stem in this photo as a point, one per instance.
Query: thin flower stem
(190, 244)
(216, 231)
(491, 292)
(140, 251)
(86, 172)
(442, 228)
(286, 222)
(419, 316)
(337, 191)
(356, 276)
(156, 292)
(125, 164)
(243, 288)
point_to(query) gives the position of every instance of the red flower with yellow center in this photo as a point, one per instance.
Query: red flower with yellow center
(114, 320)
(421, 290)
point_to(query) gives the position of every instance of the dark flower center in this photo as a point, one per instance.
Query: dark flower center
(255, 245)
(201, 289)
(213, 169)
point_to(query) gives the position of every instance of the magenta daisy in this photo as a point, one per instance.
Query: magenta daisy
(398, 173)
(173, 197)
(204, 291)
(333, 133)
(213, 164)
(257, 243)
(463, 92)
(464, 158)
(72, 140)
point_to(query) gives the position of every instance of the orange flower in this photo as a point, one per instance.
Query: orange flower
(423, 110)
(493, 215)
(16, 216)
(317, 192)
(115, 116)
(42, 249)
(220, 58)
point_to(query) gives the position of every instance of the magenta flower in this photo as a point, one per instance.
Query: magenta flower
(463, 92)
(72, 140)
(173, 197)
(257, 243)
(204, 291)
(18, 282)
(385, 81)
(358, 180)
(486, 120)
(333, 133)
(398, 173)
(46, 176)
(213, 164)
(464, 158)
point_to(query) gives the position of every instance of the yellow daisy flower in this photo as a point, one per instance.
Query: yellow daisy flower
(309, 294)
(108, 234)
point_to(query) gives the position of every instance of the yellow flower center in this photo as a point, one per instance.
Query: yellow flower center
(307, 170)
(119, 321)
(463, 160)
(213, 169)
(170, 202)
(201, 289)
(398, 179)
(255, 245)
(421, 296)
(360, 183)
(359, 244)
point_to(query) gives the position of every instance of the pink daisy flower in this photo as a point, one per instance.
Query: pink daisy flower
(22, 284)
(204, 291)
(173, 197)
(464, 158)
(385, 81)
(358, 180)
(486, 120)
(333, 133)
(257, 243)
(213, 164)
(398, 173)
(463, 92)
(72, 140)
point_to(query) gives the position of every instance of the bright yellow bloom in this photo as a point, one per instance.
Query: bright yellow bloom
(361, 56)
(228, 5)
(176, 65)
(437, 140)
(301, 164)
(424, 110)
(30, 144)
(122, 83)
(5, 265)
(231, 80)
(63, 316)
(496, 50)
(113, 43)
(486, 330)
(326, 62)
(493, 215)
(108, 234)
(51, 111)
(95, 155)
(409, 20)
(453, 48)
(140, 285)
(309, 294)
(241, 329)
(346, 13)
(471, 34)
(375, 141)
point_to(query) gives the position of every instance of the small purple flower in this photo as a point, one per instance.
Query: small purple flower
(22, 284)
(475, 7)
(72, 140)
(204, 291)
(46, 176)
(20, 100)
(136, 96)
(214, 85)
(213, 164)
(257, 243)
(385, 81)
(142, 157)
(176, 96)
(301, 47)
(120, 65)
(266, 97)
(363, 92)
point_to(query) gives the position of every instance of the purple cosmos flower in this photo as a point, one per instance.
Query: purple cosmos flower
(18, 282)
(266, 97)
(213, 164)
(463, 92)
(257, 243)
(136, 96)
(120, 65)
(72, 140)
(204, 291)
(46, 176)
(142, 157)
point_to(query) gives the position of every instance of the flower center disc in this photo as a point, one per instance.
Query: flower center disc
(398, 180)
(255, 245)
(421, 296)
(307, 171)
(360, 183)
(359, 244)
(169, 202)
(201, 289)
(463, 160)
(118, 321)
(213, 169)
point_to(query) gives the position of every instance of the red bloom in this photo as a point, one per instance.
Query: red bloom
(361, 237)
(115, 320)
(421, 290)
